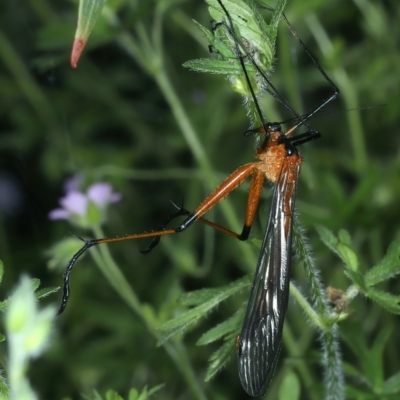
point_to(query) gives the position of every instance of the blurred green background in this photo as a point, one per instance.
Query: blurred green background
(134, 117)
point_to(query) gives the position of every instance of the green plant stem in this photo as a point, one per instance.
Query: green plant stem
(306, 306)
(290, 72)
(332, 361)
(28, 86)
(331, 356)
(291, 345)
(176, 351)
(348, 93)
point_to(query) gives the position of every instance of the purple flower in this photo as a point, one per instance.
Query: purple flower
(75, 205)
(101, 194)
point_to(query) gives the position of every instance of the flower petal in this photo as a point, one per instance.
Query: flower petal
(115, 197)
(75, 203)
(58, 213)
(100, 193)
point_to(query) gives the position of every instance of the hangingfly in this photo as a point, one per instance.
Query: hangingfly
(259, 342)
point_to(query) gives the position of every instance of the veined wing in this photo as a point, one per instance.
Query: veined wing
(260, 339)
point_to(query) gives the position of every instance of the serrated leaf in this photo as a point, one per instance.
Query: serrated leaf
(250, 26)
(389, 301)
(197, 297)
(392, 385)
(227, 327)
(40, 294)
(388, 268)
(290, 387)
(211, 66)
(327, 237)
(245, 34)
(207, 300)
(180, 329)
(35, 283)
(218, 359)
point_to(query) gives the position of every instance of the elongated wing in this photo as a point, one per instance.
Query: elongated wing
(259, 342)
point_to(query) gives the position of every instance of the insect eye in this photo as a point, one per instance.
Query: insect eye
(274, 127)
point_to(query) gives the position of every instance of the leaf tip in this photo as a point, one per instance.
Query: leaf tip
(77, 48)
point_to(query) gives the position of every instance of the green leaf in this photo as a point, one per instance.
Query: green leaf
(219, 358)
(60, 253)
(42, 293)
(392, 385)
(207, 33)
(133, 394)
(4, 393)
(113, 395)
(374, 368)
(340, 247)
(344, 237)
(353, 392)
(250, 27)
(256, 242)
(227, 327)
(348, 256)
(290, 387)
(211, 66)
(207, 300)
(388, 268)
(197, 297)
(357, 279)
(2, 338)
(96, 396)
(327, 237)
(155, 389)
(175, 331)
(244, 33)
(89, 12)
(352, 334)
(387, 300)
(3, 305)
(143, 395)
(35, 283)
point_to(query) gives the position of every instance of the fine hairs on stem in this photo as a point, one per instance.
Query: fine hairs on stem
(329, 337)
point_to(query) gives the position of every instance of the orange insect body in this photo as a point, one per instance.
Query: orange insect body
(271, 157)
